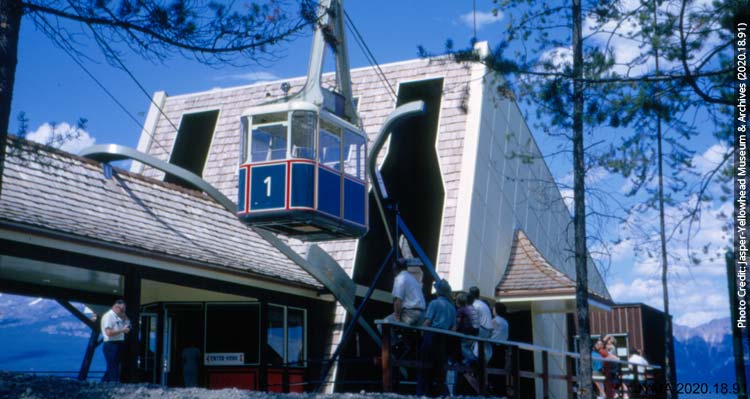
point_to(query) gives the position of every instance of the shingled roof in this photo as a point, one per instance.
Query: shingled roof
(58, 192)
(529, 273)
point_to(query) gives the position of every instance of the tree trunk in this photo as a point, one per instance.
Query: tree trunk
(668, 372)
(10, 26)
(585, 382)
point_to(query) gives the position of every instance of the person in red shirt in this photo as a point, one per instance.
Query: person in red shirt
(607, 369)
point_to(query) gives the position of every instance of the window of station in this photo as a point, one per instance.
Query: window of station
(268, 141)
(193, 141)
(233, 328)
(354, 155)
(303, 134)
(287, 336)
(330, 145)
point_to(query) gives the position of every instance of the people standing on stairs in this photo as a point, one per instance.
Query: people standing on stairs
(440, 314)
(500, 331)
(484, 322)
(464, 316)
(500, 327)
(408, 299)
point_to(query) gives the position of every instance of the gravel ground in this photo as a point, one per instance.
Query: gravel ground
(27, 386)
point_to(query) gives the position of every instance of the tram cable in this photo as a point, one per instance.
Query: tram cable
(60, 41)
(112, 54)
(368, 53)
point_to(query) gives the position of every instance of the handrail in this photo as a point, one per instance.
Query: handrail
(478, 373)
(520, 345)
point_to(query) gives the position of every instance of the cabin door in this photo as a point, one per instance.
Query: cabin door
(166, 348)
(148, 360)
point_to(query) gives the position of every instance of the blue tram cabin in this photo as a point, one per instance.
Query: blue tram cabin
(302, 172)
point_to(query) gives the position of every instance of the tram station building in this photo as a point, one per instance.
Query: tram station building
(468, 177)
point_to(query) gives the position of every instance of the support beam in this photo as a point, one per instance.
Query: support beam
(133, 306)
(78, 314)
(45, 291)
(83, 373)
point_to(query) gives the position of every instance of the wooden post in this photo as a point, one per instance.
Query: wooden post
(385, 358)
(133, 310)
(569, 376)
(609, 387)
(161, 322)
(514, 380)
(285, 378)
(508, 370)
(545, 374)
(262, 383)
(635, 389)
(482, 375)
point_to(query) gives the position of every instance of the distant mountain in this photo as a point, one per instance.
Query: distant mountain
(704, 354)
(40, 335)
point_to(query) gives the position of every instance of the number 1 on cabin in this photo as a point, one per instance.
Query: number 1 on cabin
(267, 187)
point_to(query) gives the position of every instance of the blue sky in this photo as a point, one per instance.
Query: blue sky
(50, 87)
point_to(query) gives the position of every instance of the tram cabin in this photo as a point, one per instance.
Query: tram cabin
(302, 172)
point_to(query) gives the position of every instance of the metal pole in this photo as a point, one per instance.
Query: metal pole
(355, 318)
(398, 115)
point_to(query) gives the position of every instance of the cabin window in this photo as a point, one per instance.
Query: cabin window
(330, 145)
(304, 125)
(192, 143)
(268, 141)
(354, 155)
(234, 328)
(287, 336)
(244, 132)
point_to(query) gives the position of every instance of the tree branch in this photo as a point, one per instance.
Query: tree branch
(689, 77)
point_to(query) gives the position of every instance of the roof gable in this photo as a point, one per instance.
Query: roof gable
(529, 271)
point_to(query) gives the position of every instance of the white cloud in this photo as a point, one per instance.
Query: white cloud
(559, 57)
(63, 136)
(568, 198)
(692, 302)
(593, 175)
(483, 18)
(694, 319)
(637, 290)
(261, 76)
(623, 37)
(697, 293)
(711, 158)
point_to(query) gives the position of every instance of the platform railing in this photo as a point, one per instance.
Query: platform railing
(615, 383)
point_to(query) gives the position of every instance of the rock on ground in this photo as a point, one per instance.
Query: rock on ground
(28, 386)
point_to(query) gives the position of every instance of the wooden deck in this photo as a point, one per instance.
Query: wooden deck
(619, 382)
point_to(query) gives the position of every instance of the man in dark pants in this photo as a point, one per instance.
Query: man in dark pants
(115, 325)
(441, 313)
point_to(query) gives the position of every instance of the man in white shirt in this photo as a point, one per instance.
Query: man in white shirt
(635, 357)
(499, 324)
(484, 315)
(408, 299)
(115, 325)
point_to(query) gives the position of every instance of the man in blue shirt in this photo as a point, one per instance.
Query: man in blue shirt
(441, 313)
